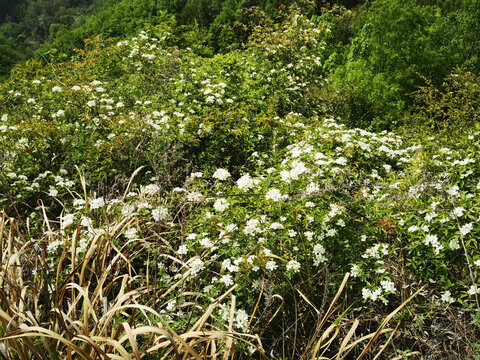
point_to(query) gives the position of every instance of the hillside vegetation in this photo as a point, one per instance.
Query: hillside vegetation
(238, 180)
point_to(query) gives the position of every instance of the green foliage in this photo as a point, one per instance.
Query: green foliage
(452, 107)
(204, 173)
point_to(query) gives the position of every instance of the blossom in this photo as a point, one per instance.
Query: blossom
(151, 189)
(195, 265)
(52, 192)
(271, 265)
(131, 233)
(97, 203)
(182, 250)
(433, 240)
(276, 226)
(160, 213)
(67, 220)
(355, 271)
(388, 286)
(171, 305)
(221, 174)
(294, 266)
(226, 279)
(245, 182)
(458, 211)
(473, 290)
(273, 194)
(220, 204)
(447, 297)
(56, 89)
(465, 229)
(453, 191)
(251, 227)
(194, 196)
(241, 320)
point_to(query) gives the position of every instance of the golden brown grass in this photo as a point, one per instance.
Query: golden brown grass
(97, 307)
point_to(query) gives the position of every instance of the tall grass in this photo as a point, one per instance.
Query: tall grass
(95, 306)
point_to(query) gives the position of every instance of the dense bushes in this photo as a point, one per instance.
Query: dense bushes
(203, 200)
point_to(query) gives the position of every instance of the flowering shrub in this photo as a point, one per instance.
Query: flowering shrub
(220, 176)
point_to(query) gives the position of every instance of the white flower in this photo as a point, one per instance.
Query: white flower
(241, 320)
(273, 194)
(182, 250)
(227, 279)
(91, 103)
(245, 182)
(194, 196)
(388, 286)
(453, 191)
(56, 89)
(160, 213)
(97, 203)
(76, 88)
(473, 290)
(355, 271)
(78, 202)
(293, 265)
(458, 211)
(195, 266)
(66, 221)
(309, 235)
(251, 227)
(454, 244)
(53, 192)
(220, 205)
(131, 233)
(221, 174)
(271, 265)
(276, 226)
(207, 243)
(197, 174)
(151, 189)
(170, 305)
(465, 229)
(447, 297)
(433, 240)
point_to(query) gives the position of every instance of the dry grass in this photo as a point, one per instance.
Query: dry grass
(95, 306)
(98, 311)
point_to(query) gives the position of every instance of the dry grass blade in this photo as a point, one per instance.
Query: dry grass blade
(403, 356)
(203, 319)
(132, 340)
(308, 301)
(229, 341)
(366, 337)
(35, 331)
(324, 320)
(388, 342)
(135, 173)
(347, 338)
